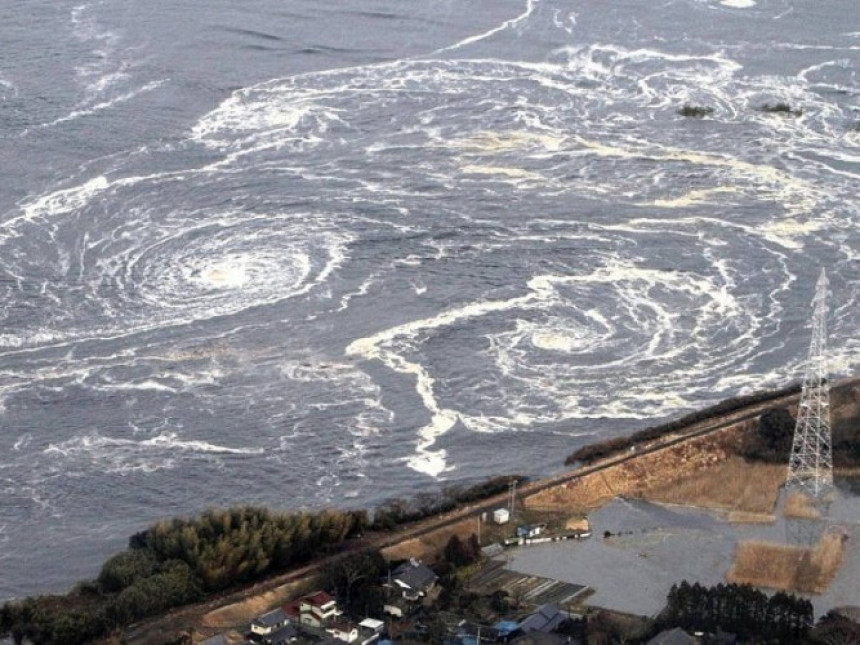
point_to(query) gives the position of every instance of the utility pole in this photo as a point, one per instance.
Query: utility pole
(810, 467)
(513, 497)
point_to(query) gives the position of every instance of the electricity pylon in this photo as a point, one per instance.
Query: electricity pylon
(810, 467)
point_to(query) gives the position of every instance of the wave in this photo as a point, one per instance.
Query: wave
(122, 456)
(560, 220)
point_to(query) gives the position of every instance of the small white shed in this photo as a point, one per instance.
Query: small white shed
(501, 516)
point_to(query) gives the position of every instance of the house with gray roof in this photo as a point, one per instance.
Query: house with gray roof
(283, 636)
(269, 622)
(545, 620)
(414, 580)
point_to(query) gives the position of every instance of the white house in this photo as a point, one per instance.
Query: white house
(343, 631)
(269, 622)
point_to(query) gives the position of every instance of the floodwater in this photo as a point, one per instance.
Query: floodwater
(306, 253)
(655, 546)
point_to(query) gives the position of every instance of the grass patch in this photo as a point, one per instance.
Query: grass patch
(733, 485)
(695, 111)
(788, 568)
(799, 505)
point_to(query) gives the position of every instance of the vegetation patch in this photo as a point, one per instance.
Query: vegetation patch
(695, 111)
(800, 505)
(772, 438)
(739, 609)
(788, 568)
(780, 108)
(179, 561)
(733, 485)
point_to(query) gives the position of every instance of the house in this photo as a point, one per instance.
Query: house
(397, 607)
(283, 636)
(313, 610)
(343, 631)
(369, 630)
(414, 580)
(269, 622)
(473, 634)
(675, 636)
(318, 607)
(546, 620)
(530, 530)
(501, 516)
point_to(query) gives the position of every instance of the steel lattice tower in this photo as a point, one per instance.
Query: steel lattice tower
(810, 467)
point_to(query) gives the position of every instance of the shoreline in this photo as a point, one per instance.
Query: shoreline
(702, 439)
(664, 455)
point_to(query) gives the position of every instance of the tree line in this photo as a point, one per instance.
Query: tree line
(739, 609)
(771, 442)
(183, 560)
(178, 561)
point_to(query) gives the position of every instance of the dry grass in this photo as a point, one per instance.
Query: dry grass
(428, 546)
(645, 472)
(577, 524)
(733, 485)
(788, 568)
(242, 612)
(799, 505)
(742, 517)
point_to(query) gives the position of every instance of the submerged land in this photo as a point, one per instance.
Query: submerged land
(717, 476)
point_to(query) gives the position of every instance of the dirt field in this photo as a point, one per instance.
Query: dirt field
(245, 611)
(657, 471)
(788, 568)
(427, 546)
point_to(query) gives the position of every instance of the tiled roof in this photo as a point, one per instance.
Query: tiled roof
(272, 618)
(416, 577)
(546, 619)
(318, 598)
(283, 635)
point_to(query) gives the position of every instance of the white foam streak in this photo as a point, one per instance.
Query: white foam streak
(738, 4)
(379, 347)
(123, 456)
(59, 202)
(508, 24)
(89, 110)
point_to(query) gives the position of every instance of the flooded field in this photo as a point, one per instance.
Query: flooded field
(649, 547)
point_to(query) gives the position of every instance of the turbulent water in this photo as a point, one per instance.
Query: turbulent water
(304, 253)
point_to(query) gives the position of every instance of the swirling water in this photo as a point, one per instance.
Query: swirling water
(306, 253)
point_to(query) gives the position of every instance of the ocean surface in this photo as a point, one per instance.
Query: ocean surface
(307, 253)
